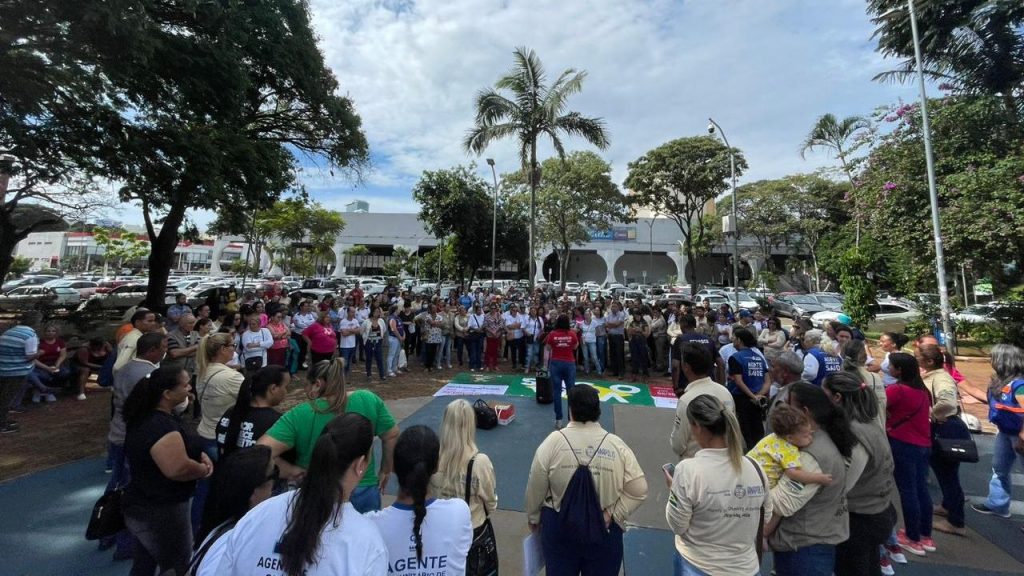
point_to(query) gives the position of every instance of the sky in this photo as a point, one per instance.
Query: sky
(656, 70)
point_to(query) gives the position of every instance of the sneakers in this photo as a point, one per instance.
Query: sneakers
(391, 375)
(928, 544)
(558, 424)
(886, 567)
(912, 546)
(50, 398)
(81, 396)
(943, 525)
(36, 397)
(896, 553)
(983, 509)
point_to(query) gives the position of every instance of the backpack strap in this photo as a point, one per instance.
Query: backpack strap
(573, 450)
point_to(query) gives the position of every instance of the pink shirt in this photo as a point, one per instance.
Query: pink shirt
(907, 411)
(321, 338)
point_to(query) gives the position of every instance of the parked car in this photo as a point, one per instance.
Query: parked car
(829, 301)
(713, 301)
(796, 306)
(85, 288)
(747, 302)
(889, 317)
(316, 294)
(37, 280)
(991, 313)
(39, 297)
(123, 297)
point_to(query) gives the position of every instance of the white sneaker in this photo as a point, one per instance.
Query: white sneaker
(36, 397)
(391, 375)
(81, 396)
(51, 398)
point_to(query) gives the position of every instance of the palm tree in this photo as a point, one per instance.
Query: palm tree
(838, 136)
(531, 111)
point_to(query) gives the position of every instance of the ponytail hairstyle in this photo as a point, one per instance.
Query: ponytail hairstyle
(898, 338)
(829, 417)
(256, 385)
(416, 457)
(344, 440)
(709, 413)
(333, 389)
(855, 396)
(235, 478)
(209, 347)
(933, 354)
(148, 392)
(910, 370)
(854, 356)
(458, 445)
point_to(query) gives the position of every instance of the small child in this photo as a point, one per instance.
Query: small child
(779, 453)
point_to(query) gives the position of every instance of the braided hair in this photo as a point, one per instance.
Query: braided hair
(416, 457)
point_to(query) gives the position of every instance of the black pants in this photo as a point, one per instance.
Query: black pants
(411, 342)
(359, 348)
(163, 534)
(751, 424)
(431, 355)
(617, 354)
(317, 357)
(518, 348)
(860, 555)
(459, 344)
(303, 350)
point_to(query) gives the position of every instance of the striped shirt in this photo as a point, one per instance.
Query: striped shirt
(18, 347)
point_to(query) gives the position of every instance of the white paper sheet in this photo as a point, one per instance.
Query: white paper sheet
(533, 555)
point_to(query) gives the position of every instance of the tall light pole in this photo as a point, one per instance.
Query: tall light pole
(735, 222)
(933, 194)
(494, 221)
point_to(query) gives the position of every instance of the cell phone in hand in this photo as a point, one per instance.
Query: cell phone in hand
(669, 468)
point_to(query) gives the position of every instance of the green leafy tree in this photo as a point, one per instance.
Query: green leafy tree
(817, 209)
(120, 247)
(530, 111)
(357, 253)
(576, 197)
(974, 47)
(243, 268)
(402, 261)
(679, 179)
(762, 213)
(448, 259)
(843, 138)
(197, 105)
(456, 205)
(853, 269)
(19, 265)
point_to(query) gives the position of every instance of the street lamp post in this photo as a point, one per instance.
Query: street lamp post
(494, 221)
(735, 222)
(940, 266)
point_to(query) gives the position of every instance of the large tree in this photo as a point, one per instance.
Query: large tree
(530, 111)
(201, 105)
(678, 179)
(456, 205)
(843, 138)
(576, 198)
(762, 213)
(815, 205)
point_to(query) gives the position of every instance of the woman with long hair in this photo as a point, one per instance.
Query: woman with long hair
(441, 531)
(243, 479)
(494, 329)
(909, 430)
(165, 466)
(706, 541)
(314, 531)
(1006, 411)
(253, 413)
(810, 520)
(772, 338)
(890, 342)
(328, 397)
(562, 342)
(280, 334)
(458, 450)
(855, 357)
(869, 493)
(373, 330)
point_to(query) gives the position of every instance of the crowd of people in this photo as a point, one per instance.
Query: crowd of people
(801, 433)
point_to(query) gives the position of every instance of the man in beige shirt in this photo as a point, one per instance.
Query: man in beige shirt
(143, 322)
(619, 481)
(696, 363)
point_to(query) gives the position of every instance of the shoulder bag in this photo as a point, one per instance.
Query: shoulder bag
(758, 546)
(107, 518)
(951, 440)
(483, 553)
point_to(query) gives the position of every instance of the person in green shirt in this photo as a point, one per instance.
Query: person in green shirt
(300, 427)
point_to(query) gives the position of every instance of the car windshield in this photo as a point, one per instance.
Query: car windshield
(745, 296)
(980, 310)
(829, 300)
(803, 300)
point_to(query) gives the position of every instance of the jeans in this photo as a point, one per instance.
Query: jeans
(911, 474)
(203, 485)
(947, 473)
(347, 354)
(861, 553)
(561, 371)
(163, 537)
(616, 351)
(602, 353)
(566, 557)
(9, 387)
(119, 477)
(459, 344)
(373, 350)
(816, 560)
(751, 423)
(394, 348)
(518, 351)
(531, 355)
(359, 347)
(475, 343)
(365, 498)
(444, 352)
(680, 567)
(590, 357)
(1000, 487)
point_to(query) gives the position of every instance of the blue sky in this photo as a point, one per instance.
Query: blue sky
(657, 69)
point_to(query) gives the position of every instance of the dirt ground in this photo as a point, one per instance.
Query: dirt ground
(68, 430)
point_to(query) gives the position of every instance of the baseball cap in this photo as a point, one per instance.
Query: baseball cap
(744, 313)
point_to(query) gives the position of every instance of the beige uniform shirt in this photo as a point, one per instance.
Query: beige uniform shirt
(682, 443)
(621, 485)
(944, 393)
(126, 348)
(216, 391)
(481, 490)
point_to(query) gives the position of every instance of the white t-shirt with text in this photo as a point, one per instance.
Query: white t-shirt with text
(447, 533)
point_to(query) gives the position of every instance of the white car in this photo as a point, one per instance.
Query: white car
(38, 298)
(85, 288)
(572, 287)
(889, 317)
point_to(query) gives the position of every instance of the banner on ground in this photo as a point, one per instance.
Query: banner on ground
(489, 384)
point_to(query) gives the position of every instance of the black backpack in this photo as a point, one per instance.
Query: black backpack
(580, 515)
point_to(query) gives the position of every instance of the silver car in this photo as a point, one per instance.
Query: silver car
(797, 306)
(38, 298)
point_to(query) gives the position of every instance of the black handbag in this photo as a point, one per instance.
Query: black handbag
(952, 441)
(483, 553)
(486, 418)
(107, 517)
